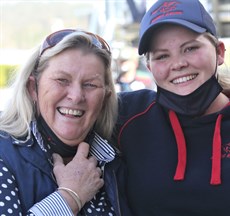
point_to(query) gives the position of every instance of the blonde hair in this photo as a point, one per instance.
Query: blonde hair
(223, 78)
(16, 117)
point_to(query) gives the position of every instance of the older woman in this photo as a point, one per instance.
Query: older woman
(63, 99)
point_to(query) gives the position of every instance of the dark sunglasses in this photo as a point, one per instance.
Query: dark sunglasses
(56, 37)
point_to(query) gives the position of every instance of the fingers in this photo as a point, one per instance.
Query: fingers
(99, 171)
(57, 162)
(83, 153)
(82, 150)
(57, 159)
(80, 174)
(93, 160)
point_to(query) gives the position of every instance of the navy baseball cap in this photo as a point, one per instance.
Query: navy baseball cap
(187, 13)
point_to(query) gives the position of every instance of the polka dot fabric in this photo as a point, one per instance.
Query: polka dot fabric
(99, 206)
(9, 199)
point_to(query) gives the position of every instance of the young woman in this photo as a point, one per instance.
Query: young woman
(176, 142)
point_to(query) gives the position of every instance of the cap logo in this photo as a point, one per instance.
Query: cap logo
(166, 9)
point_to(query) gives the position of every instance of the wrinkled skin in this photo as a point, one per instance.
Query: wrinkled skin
(70, 96)
(81, 174)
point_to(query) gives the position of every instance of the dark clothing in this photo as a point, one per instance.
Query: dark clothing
(32, 171)
(149, 146)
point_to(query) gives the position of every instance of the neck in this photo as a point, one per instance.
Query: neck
(218, 104)
(56, 145)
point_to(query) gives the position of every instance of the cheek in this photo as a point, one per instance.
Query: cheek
(43, 93)
(47, 99)
(205, 66)
(43, 104)
(159, 72)
(96, 102)
(205, 59)
(49, 90)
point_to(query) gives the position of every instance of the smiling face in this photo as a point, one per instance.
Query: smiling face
(71, 92)
(181, 60)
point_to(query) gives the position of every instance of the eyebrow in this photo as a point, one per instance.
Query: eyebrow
(182, 45)
(61, 72)
(95, 77)
(188, 42)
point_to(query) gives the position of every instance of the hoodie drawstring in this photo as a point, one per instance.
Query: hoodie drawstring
(182, 153)
(216, 154)
(181, 146)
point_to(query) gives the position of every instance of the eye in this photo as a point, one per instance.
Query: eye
(159, 57)
(63, 82)
(191, 48)
(90, 85)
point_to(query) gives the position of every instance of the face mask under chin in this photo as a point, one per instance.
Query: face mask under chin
(193, 104)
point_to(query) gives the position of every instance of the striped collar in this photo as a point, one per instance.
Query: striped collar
(99, 147)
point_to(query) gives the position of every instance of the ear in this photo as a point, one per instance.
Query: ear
(32, 88)
(220, 52)
(108, 93)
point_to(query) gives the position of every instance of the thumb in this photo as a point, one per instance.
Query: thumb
(82, 150)
(57, 160)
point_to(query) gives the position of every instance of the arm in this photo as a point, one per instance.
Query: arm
(10, 200)
(81, 175)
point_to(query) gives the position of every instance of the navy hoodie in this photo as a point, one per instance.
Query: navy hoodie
(171, 170)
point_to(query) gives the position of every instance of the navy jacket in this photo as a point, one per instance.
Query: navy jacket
(34, 176)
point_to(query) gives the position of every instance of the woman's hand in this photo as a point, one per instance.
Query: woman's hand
(81, 174)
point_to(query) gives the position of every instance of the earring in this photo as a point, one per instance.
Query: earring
(34, 109)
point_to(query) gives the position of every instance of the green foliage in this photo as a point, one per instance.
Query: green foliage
(7, 72)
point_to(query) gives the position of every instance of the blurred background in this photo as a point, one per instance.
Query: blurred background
(24, 24)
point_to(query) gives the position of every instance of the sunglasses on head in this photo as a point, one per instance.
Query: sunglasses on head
(56, 37)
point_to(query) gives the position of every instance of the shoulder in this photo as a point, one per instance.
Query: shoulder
(5, 140)
(135, 101)
(10, 146)
(139, 95)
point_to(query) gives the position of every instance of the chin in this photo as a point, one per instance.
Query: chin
(185, 92)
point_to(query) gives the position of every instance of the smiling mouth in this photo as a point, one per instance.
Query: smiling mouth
(184, 79)
(70, 112)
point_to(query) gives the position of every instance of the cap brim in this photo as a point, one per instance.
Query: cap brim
(146, 36)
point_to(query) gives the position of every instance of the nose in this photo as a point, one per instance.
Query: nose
(76, 94)
(179, 63)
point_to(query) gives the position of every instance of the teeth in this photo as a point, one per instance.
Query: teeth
(70, 111)
(183, 79)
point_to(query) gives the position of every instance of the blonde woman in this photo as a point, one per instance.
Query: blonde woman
(53, 147)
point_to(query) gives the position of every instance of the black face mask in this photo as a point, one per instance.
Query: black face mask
(193, 104)
(54, 142)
